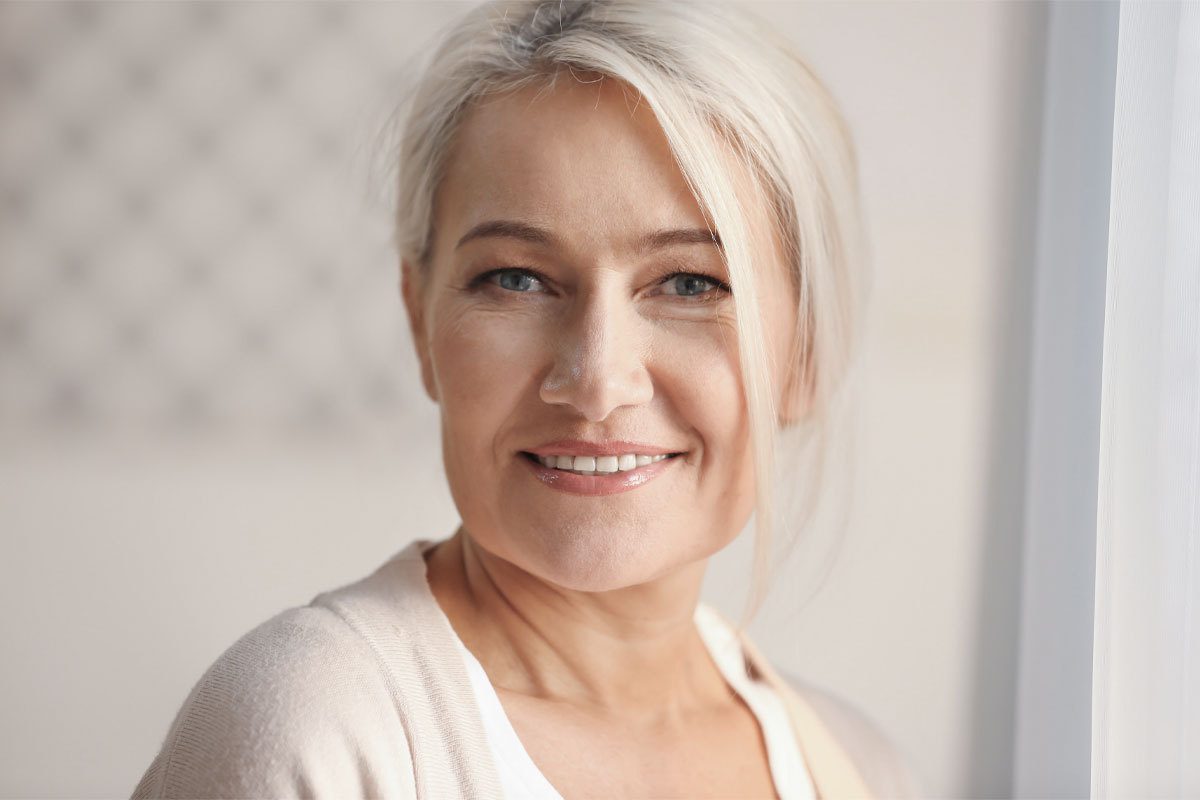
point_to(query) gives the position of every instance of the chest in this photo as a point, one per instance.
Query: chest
(720, 754)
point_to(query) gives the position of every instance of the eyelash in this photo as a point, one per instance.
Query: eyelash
(719, 286)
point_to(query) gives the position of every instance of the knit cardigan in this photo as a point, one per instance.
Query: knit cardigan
(363, 693)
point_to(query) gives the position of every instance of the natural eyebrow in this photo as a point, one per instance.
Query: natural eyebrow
(507, 229)
(661, 239)
(501, 228)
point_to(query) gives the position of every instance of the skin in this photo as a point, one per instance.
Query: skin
(580, 608)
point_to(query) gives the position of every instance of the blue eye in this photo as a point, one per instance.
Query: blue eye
(511, 279)
(691, 284)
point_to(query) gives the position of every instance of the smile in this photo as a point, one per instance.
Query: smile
(598, 465)
(598, 475)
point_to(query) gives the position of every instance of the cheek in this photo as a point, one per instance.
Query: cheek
(483, 363)
(701, 375)
(703, 379)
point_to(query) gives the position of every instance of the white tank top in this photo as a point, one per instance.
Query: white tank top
(522, 780)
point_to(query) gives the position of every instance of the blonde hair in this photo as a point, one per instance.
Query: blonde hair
(720, 83)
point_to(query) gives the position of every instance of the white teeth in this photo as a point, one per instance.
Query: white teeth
(606, 464)
(599, 465)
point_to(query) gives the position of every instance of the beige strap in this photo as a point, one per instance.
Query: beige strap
(833, 773)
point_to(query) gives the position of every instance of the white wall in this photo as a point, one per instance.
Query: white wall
(168, 480)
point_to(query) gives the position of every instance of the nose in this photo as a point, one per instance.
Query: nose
(600, 357)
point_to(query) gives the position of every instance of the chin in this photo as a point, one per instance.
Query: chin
(591, 560)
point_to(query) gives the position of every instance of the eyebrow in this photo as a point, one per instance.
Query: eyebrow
(657, 240)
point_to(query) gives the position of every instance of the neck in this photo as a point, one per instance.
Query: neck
(633, 651)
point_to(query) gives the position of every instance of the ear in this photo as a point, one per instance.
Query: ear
(412, 287)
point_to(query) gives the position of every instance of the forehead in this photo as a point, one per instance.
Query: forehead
(586, 159)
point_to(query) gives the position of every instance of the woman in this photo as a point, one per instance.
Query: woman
(627, 233)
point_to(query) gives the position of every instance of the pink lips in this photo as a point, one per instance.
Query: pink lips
(579, 447)
(595, 485)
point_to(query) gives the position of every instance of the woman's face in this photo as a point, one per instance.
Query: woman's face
(549, 325)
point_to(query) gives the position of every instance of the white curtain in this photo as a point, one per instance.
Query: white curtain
(1146, 678)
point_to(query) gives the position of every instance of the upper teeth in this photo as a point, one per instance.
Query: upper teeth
(599, 465)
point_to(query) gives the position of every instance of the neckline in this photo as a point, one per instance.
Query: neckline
(785, 758)
(507, 744)
(724, 648)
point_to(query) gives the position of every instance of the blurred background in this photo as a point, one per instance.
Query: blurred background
(209, 410)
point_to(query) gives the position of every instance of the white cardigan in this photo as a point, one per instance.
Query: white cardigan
(364, 693)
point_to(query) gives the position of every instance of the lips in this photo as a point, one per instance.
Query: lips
(595, 484)
(598, 465)
(582, 447)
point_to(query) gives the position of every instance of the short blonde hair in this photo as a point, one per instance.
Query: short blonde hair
(720, 83)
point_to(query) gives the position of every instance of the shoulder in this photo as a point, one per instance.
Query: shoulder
(298, 706)
(883, 765)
